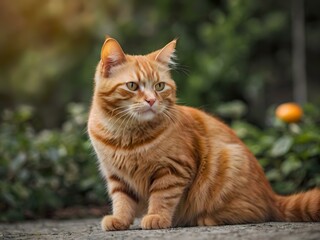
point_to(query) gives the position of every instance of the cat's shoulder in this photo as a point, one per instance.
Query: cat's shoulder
(204, 118)
(196, 113)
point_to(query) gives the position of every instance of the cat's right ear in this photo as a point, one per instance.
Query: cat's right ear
(111, 55)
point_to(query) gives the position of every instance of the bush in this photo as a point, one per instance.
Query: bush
(289, 154)
(43, 171)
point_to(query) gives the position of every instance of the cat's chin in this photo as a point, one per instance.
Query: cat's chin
(146, 115)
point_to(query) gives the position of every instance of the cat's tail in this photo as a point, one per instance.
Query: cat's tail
(301, 207)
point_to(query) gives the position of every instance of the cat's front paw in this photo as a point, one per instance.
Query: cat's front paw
(155, 221)
(111, 223)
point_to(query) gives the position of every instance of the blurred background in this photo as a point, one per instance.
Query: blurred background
(237, 59)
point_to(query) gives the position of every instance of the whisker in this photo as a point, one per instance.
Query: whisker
(178, 101)
(119, 113)
(117, 133)
(168, 117)
(128, 122)
(120, 107)
(176, 112)
(120, 117)
(182, 69)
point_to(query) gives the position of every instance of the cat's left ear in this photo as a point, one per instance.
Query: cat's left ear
(111, 55)
(165, 55)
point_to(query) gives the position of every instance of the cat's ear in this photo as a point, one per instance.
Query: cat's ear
(111, 55)
(165, 55)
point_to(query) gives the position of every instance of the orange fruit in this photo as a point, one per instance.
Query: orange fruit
(289, 112)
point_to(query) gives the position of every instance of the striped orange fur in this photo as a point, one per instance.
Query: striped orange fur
(174, 165)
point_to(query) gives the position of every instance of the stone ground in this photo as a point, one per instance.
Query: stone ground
(90, 229)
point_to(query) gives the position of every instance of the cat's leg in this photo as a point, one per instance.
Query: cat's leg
(165, 193)
(124, 204)
(206, 220)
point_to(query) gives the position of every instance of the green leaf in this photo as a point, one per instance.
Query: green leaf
(290, 165)
(273, 175)
(285, 187)
(281, 146)
(235, 109)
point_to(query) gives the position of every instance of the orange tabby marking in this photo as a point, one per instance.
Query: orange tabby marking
(176, 165)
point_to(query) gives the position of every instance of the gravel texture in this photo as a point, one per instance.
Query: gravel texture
(90, 229)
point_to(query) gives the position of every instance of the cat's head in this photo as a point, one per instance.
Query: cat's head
(135, 87)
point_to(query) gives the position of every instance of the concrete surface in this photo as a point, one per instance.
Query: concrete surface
(90, 229)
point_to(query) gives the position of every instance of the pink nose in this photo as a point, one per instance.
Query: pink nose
(151, 101)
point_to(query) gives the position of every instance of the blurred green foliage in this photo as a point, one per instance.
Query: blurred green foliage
(47, 170)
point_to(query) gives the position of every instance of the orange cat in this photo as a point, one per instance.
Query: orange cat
(176, 165)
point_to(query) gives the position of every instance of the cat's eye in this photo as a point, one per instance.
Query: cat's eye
(132, 86)
(159, 86)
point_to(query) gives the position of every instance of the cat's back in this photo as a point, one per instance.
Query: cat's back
(207, 125)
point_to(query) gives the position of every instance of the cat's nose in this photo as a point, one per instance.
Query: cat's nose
(151, 101)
